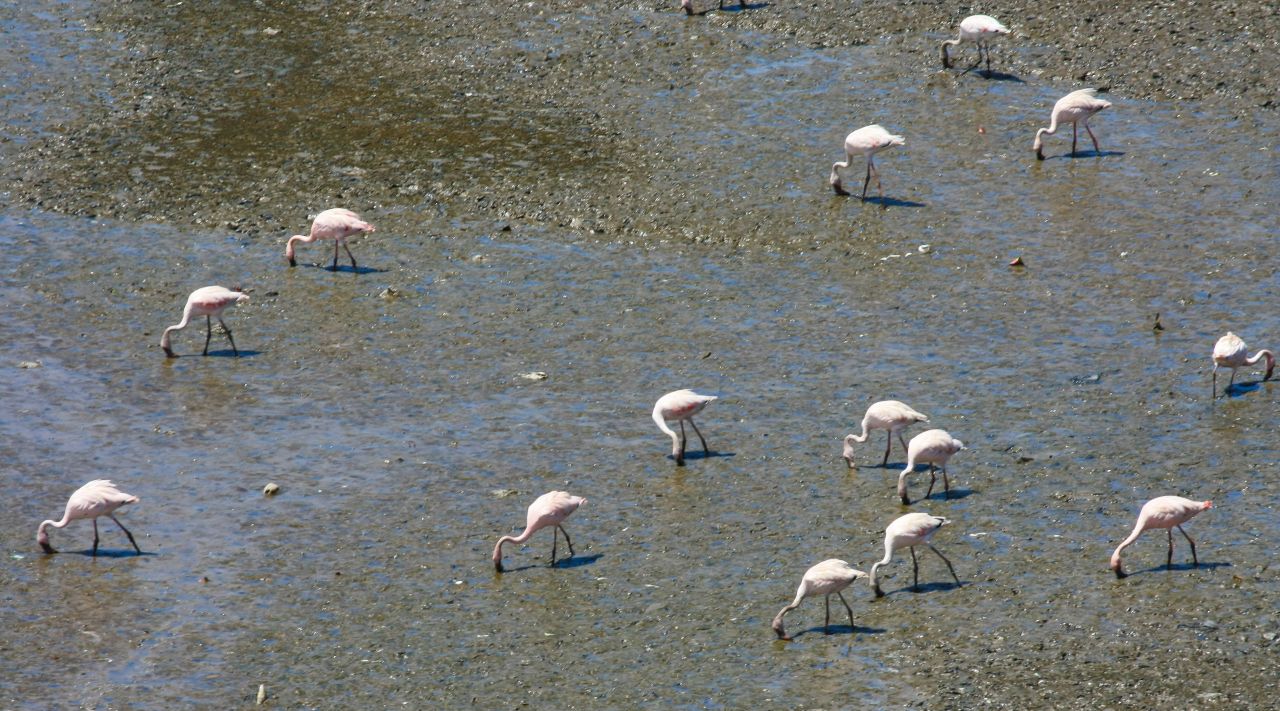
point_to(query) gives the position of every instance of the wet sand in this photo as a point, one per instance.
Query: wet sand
(678, 233)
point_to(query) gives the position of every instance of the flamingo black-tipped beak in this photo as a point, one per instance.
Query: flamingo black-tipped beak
(1120, 574)
(839, 189)
(879, 592)
(47, 548)
(497, 566)
(782, 635)
(906, 501)
(1039, 154)
(169, 353)
(292, 262)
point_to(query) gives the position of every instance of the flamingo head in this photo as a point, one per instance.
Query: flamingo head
(42, 537)
(779, 630)
(288, 249)
(1115, 565)
(687, 5)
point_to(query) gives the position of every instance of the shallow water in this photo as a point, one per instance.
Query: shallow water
(390, 419)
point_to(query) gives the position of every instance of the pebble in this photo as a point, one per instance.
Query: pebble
(535, 375)
(271, 489)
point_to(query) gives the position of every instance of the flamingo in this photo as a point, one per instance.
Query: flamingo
(687, 5)
(910, 531)
(889, 415)
(336, 224)
(867, 141)
(932, 447)
(977, 29)
(1231, 352)
(207, 301)
(825, 578)
(547, 510)
(97, 498)
(681, 405)
(1167, 512)
(1074, 108)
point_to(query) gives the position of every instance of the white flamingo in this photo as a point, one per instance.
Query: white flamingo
(208, 301)
(889, 415)
(1232, 352)
(866, 141)
(336, 224)
(979, 29)
(909, 531)
(1167, 512)
(932, 447)
(1074, 108)
(826, 578)
(681, 405)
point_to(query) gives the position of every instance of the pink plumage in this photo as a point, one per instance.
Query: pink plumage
(826, 578)
(909, 531)
(336, 224)
(866, 141)
(99, 497)
(1074, 108)
(932, 447)
(681, 406)
(1167, 512)
(548, 510)
(1232, 352)
(210, 302)
(979, 29)
(889, 415)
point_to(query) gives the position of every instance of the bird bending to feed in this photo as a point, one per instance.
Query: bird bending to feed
(549, 509)
(889, 415)
(336, 224)
(688, 6)
(932, 447)
(910, 531)
(1231, 352)
(97, 498)
(825, 578)
(1167, 512)
(1074, 108)
(207, 301)
(866, 141)
(979, 29)
(681, 405)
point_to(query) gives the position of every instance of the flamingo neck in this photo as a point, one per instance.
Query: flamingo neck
(164, 338)
(662, 425)
(305, 239)
(1271, 361)
(524, 536)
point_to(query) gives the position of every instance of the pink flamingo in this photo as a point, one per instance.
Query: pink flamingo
(866, 141)
(687, 5)
(1167, 512)
(207, 301)
(336, 224)
(910, 531)
(932, 447)
(825, 578)
(889, 415)
(1074, 108)
(547, 510)
(1231, 352)
(978, 29)
(97, 498)
(681, 405)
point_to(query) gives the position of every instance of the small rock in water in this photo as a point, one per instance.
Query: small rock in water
(1017, 262)
(30, 364)
(262, 693)
(270, 32)
(925, 248)
(388, 293)
(271, 489)
(535, 375)
(504, 493)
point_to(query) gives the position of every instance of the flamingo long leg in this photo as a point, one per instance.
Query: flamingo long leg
(349, 254)
(846, 607)
(126, 532)
(566, 539)
(826, 621)
(888, 444)
(1074, 130)
(915, 569)
(933, 477)
(335, 256)
(944, 560)
(694, 425)
(1096, 149)
(208, 333)
(229, 338)
(867, 180)
(1194, 560)
(95, 537)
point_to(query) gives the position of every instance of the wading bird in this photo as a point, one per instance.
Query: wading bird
(825, 578)
(979, 29)
(1231, 352)
(1074, 108)
(1167, 512)
(866, 141)
(97, 498)
(889, 415)
(547, 510)
(336, 224)
(932, 447)
(681, 405)
(207, 301)
(910, 531)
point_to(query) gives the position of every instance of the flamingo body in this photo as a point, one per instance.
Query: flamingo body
(99, 497)
(979, 29)
(548, 510)
(681, 406)
(866, 141)
(932, 447)
(909, 531)
(1232, 352)
(210, 302)
(1167, 512)
(336, 224)
(1075, 108)
(889, 415)
(826, 578)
